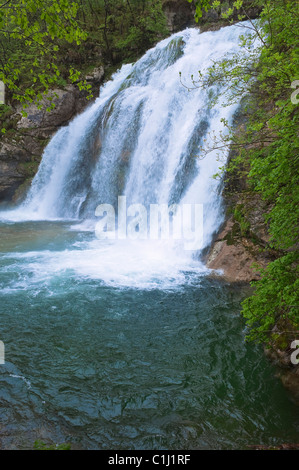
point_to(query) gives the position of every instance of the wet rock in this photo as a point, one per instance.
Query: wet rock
(234, 257)
(179, 14)
(68, 103)
(22, 147)
(96, 76)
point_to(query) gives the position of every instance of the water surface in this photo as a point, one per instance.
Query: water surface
(104, 364)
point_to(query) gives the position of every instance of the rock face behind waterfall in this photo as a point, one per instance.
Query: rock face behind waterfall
(21, 149)
(180, 14)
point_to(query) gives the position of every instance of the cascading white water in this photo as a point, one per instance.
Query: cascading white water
(125, 343)
(139, 140)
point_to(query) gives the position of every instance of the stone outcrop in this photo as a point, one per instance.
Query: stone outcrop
(179, 14)
(242, 240)
(233, 259)
(67, 105)
(22, 146)
(19, 159)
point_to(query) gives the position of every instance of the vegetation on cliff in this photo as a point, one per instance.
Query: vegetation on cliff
(51, 43)
(30, 34)
(267, 151)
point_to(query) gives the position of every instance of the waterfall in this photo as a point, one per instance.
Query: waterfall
(139, 142)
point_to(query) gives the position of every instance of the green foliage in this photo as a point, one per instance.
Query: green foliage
(148, 25)
(49, 43)
(202, 5)
(275, 298)
(30, 35)
(5, 118)
(40, 445)
(131, 27)
(240, 217)
(267, 150)
(227, 8)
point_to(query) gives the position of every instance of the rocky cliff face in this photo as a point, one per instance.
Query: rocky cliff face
(22, 146)
(179, 14)
(241, 242)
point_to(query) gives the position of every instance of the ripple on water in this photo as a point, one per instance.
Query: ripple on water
(95, 361)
